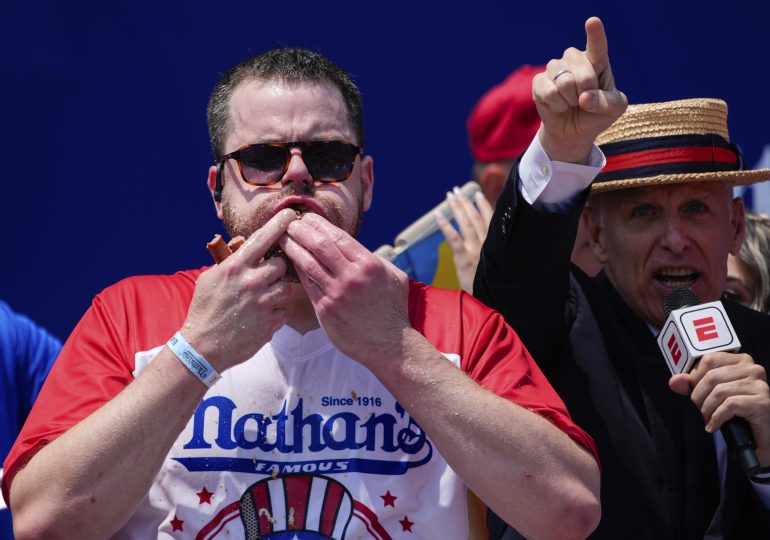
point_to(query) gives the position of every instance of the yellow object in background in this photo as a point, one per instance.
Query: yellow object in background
(446, 275)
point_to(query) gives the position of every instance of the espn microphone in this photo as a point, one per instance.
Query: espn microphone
(691, 330)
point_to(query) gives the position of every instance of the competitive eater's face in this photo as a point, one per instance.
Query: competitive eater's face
(274, 111)
(652, 239)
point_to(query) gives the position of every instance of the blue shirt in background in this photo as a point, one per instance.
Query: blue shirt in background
(27, 352)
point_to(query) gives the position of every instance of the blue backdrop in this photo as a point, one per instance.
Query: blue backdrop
(105, 137)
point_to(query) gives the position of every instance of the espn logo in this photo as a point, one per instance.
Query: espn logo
(673, 348)
(707, 328)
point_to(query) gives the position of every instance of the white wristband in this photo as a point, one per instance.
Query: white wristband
(194, 361)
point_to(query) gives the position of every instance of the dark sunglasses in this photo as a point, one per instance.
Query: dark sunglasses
(264, 164)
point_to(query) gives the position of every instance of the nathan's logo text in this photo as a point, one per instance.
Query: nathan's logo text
(293, 432)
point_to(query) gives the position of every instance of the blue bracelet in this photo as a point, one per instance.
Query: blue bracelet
(194, 361)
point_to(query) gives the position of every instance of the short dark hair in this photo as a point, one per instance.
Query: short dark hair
(290, 65)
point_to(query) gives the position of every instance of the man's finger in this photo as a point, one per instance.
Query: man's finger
(596, 44)
(725, 390)
(560, 72)
(278, 294)
(347, 245)
(718, 360)
(461, 212)
(449, 232)
(611, 103)
(306, 262)
(474, 228)
(258, 244)
(479, 220)
(314, 292)
(582, 71)
(323, 244)
(706, 382)
(597, 53)
(681, 384)
(743, 406)
(545, 94)
(269, 271)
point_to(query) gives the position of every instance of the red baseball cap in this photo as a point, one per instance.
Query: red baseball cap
(504, 121)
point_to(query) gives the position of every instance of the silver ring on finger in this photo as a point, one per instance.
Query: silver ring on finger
(560, 73)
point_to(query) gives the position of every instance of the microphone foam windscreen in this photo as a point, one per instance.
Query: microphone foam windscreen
(678, 298)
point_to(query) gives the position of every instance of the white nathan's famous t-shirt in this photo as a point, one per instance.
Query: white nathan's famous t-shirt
(299, 441)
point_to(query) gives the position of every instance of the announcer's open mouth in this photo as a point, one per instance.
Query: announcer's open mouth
(677, 277)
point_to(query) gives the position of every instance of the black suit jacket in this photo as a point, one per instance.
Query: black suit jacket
(604, 362)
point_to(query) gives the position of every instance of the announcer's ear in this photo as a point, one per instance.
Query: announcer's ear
(738, 225)
(593, 224)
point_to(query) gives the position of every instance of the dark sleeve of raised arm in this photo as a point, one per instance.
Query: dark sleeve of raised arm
(524, 270)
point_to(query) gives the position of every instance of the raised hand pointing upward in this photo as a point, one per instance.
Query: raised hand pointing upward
(576, 98)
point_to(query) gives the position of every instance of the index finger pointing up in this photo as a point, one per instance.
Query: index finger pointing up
(596, 44)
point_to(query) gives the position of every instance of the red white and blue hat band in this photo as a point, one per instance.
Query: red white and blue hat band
(678, 154)
(672, 142)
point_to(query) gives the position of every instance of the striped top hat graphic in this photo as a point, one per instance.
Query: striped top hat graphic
(301, 506)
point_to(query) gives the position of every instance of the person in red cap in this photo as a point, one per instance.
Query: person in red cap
(500, 127)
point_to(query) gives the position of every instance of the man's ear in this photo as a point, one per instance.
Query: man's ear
(738, 223)
(212, 183)
(592, 222)
(492, 179)
(367, 180)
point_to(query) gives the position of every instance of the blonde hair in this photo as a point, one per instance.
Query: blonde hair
(754, 253)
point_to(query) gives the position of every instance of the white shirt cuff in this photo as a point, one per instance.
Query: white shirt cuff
(569, 179)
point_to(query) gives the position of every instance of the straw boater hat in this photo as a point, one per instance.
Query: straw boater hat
(671, 143)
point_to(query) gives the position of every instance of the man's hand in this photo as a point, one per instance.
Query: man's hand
(466, 245)
(577, 99)
(361, 302)
(359, 298)
(724, 385)
(236, 307)
(239, 304)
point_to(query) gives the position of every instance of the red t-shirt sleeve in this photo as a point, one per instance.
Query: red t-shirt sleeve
(491, 353)
(91, 369)
(98, 359)
(498, 361)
